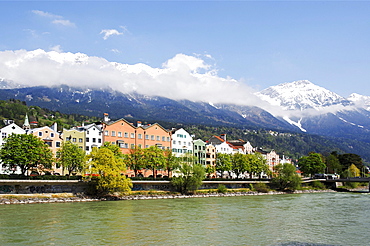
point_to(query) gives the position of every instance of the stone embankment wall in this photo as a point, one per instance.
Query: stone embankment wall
(79, 187)
(42, 186)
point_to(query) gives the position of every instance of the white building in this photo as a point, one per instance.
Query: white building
(182, 142)
(5, 133)
(224, 148)
(9, 130)
(93, 136)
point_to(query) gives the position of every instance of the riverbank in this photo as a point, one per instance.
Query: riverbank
(6, 199)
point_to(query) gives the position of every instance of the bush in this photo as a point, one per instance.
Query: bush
(318, 185)
(221, 188)
(261, 187)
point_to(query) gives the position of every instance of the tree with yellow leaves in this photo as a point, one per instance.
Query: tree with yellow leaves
(107, 169)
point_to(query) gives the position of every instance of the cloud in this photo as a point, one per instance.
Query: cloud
(46, 14)
(109, 32)
(64, 23)
(57, 48)
(181, 77)
(56, 19)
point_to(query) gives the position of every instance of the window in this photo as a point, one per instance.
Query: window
(80, 140)
(74, 140)
(146, 146)
(119, 134)
(49, 144)
(113, 133)
(146, 136)
(163, 139)
(94, 140)
(174, 141)
(87, 140)
(168, 139)
(158, 138)
(99, 140)
(132, 146)
(51, 135)
(126, 135)
(140, 146)
(40, 134)
(152, 137)
(3, 135)
(140, 136)
(126, 145)
(106, 133)
(57, 144)
(132, 135)
(195, 147)
(87, 148)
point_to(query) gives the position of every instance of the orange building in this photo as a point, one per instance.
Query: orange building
(127, 136)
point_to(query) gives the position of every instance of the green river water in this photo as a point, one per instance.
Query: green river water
(297, 219)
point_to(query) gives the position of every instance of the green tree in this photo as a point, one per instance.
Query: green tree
(107, 171)
(71, 157)
(332, 163)
(209, 170)
(135, 159)
(25, 151)
(154, 158)
(311, 164)
(190, 178)
(346, 160)
(286, 178)
(223, 163)
(171, 161)
(239, 164)
(258, 164)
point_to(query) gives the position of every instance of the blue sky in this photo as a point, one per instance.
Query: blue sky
(259, 44)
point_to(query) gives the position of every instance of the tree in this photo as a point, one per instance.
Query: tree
(311, 164)
(239, 164)
(210, 170)
(353, 171)
(332, 163)
(190, 179)
(258, 164)
(71, 157)
(135, 159)
(223, 163)
(25, 151)
(108, 171)
(154, 159)
(346, 160)
(171, 162)
(286, 178)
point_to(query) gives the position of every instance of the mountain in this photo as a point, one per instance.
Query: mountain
(307, 107)
(119, 105)
(301, 95)
(316, 110)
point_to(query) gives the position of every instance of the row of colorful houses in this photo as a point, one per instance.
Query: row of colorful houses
(127, 136)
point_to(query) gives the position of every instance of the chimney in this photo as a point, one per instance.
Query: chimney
(106, 117)
(223, 136)
(139, 123)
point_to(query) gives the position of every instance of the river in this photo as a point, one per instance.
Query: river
(296, 219)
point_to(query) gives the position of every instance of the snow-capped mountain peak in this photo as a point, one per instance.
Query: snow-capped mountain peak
(301, 95)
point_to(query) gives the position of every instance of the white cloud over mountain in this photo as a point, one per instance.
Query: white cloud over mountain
(181, 77)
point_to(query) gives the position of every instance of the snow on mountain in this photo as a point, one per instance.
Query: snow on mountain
(360, 100)
(301, 95)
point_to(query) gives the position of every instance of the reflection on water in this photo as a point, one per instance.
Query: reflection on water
(281, 220)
